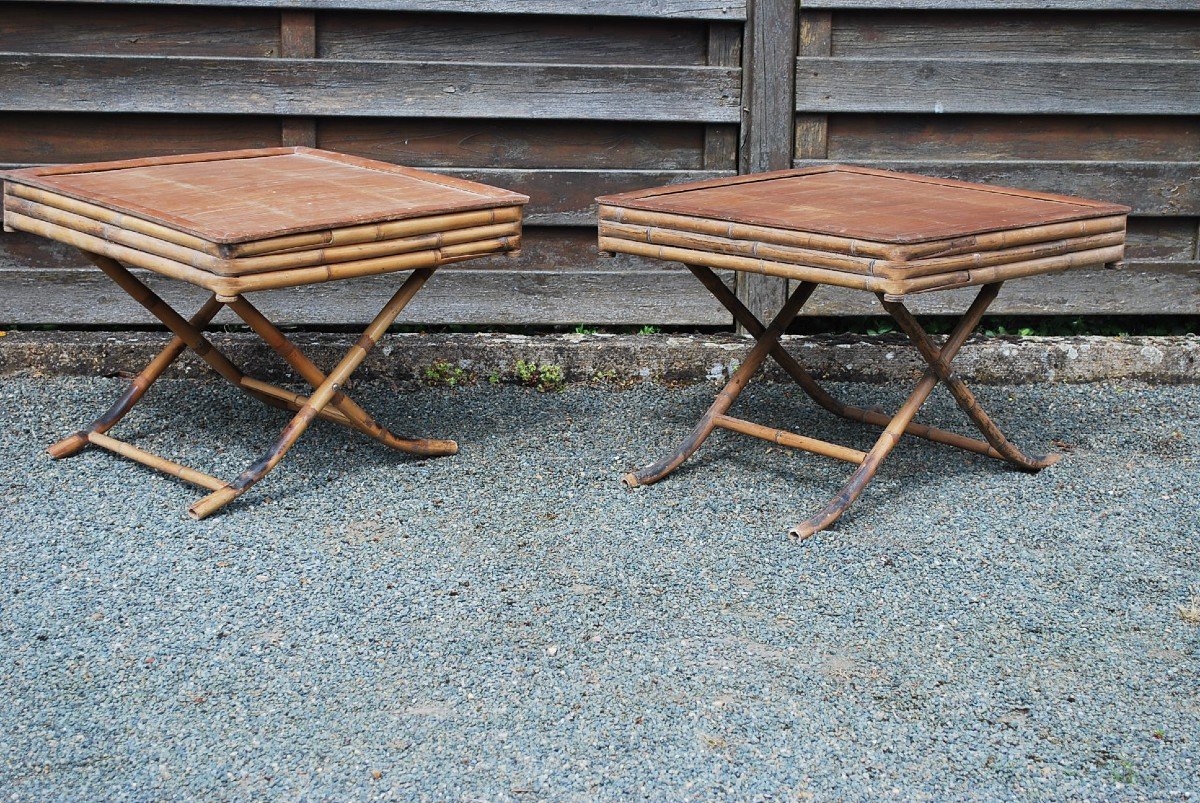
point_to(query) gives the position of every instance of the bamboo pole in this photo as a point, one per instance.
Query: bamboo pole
(274, 262)
(728, 395)
(141, 383)
(317, 401)
(785, 438)
(378, 231)
(156, 462)
(814, 390)
(940, 364)
(870, 267)
(104, 215)
(229, 286)
(866, 248)
(899, 423)
(354, 416)
(802, 273)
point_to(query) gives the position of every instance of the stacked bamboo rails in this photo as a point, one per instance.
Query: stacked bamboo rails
(630, 224)
(242, 221)
(157, 241)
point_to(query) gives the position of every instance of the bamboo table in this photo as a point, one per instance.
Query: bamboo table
(892, 234)
(241, 221)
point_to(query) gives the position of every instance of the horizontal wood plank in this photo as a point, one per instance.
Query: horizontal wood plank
(33, 138)
(679, 9)
(123, 30)
(1151, 188)
(517, 144)
(988, 86)
(1012, 5)
(87, 297)
(567, 197)
(1004, 33)
(368, 89)
(1138, 288)
(993, 136)
(504, 39)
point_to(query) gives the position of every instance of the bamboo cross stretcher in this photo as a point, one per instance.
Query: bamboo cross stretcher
(889, 233)
(242, 221)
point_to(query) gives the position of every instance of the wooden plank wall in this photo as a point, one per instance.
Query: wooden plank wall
(568, 100)
(1099, 98)
(563, 108)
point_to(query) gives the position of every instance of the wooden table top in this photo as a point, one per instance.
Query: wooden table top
(866, 204)
(242, 196)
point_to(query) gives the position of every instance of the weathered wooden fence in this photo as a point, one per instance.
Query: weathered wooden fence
(568, 100)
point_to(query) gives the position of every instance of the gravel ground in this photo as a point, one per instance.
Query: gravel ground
(512, 624)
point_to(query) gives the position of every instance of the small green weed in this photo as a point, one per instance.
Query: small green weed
(650, 330)
(546, 377)
(441, 373)
(585, 330)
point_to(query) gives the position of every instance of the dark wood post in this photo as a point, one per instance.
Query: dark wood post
(768, 120)
(298, 40)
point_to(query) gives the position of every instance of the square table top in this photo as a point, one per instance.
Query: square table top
(866, 204)
(242, 196)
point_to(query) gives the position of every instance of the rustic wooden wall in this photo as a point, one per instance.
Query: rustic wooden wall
(1093, 97)
(567, 100)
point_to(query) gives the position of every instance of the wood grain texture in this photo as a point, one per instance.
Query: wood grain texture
(1015, 5)
(370, 89)
(994, 136)
(123, 30)
(1139, 288)
(678, 9)
(1150, 188)
(721, 141)
(298, 40)
(384, 36)
(984, 86)
(1003, 33)
(517, 144)
(29, 138)
(453, 297)
(567, 197)
(768, 126)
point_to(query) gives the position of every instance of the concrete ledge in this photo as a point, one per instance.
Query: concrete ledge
(623, 358)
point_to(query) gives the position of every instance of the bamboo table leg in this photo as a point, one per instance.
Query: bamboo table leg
(725, 399)
(891, 434)
(317, 401)
(327, 401)
(939, 360)
(73, 444)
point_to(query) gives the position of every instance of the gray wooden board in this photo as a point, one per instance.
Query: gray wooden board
(524, 39)
(981, 86)
(1008, 34)
(768, 127)
(1151, 188)
(1139, 288)
(462, 296)
(367, 88)
(683, 9)
(1013, 5)
(566, 197)
(672, 297)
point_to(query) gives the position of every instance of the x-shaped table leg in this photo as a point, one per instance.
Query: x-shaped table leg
(767, 342)
(327, 400)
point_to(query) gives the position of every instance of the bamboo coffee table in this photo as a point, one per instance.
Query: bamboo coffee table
(891, 234)
(241, 221)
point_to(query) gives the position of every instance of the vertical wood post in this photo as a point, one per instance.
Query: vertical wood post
(298, 40)
(768, 120)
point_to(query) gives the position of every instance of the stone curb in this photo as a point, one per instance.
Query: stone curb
(623, 358)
